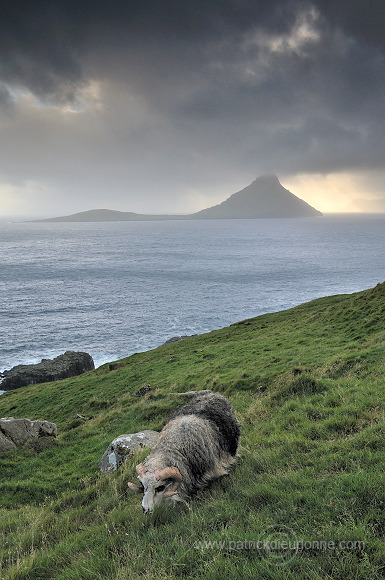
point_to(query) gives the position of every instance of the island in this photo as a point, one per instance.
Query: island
(263, 198)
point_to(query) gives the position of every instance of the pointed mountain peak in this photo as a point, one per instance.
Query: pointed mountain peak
(265, 197)
(267, 179)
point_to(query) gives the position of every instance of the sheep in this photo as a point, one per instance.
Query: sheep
(196, 446)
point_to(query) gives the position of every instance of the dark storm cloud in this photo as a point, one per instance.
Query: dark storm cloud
(38, 47)
(48, 46)
(43, 43)
(5, 97)
(203, 88)
(362, 20)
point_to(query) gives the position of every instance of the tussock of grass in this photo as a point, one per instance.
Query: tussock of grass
(307, 386)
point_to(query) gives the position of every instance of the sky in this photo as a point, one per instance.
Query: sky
(170, 106)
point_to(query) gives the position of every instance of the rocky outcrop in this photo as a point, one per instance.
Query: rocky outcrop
(66, 365)
(16, 432)
(143, 391)
(6, 444)
(122, 448)
(115, 365)
(178, 338)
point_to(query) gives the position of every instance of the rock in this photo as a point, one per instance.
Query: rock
(66, 365)
(17, 432)
(115, 365)
(143, 391)
(6, 444)
(123, 447)
(178, 338)
(194, 393)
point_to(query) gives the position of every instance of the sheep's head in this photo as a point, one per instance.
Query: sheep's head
(157, 486)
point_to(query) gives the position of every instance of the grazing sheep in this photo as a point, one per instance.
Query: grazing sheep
(196, 446)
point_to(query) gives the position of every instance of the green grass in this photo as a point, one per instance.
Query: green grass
(307, 385)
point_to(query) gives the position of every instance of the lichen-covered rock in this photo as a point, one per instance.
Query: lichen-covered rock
(123, 447)
(66, 365)
(17, 432)
(6, 444)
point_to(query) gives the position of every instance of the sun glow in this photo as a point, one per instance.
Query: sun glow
(85, 97)
(21, 199)
(331, 193)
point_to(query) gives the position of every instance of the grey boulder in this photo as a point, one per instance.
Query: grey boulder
(123, 447)
(6, 444)
(16, 432)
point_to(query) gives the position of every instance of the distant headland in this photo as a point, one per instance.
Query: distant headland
(263, 198)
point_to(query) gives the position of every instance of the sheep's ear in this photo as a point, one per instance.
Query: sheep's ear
(135, 487)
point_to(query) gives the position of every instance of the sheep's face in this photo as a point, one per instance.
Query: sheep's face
(156, 491)
(157, 486)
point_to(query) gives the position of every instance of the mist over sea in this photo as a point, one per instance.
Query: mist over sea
(112, 289)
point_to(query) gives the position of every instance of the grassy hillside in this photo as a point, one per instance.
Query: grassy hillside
(307, 385)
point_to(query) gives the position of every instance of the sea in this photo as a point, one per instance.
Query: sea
(113, 289)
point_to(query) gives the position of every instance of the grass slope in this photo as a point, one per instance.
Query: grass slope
(308, 387)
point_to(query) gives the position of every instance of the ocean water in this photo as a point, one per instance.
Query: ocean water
(112, 289)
